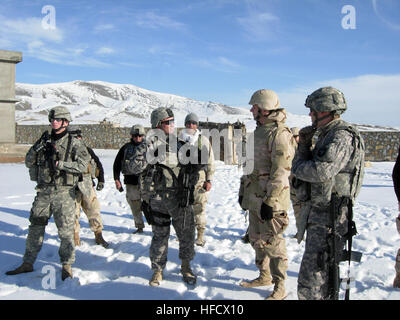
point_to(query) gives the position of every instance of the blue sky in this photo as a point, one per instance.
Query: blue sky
(219, 50)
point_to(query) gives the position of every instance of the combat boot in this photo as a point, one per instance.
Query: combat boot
(187, 273)
(200, 237)
(66, 272)
(396, 282)
(23, 268)
(279, 291)
(100, 240)
(156, 278)
(138, 230)
(264, 279)
(77, 240)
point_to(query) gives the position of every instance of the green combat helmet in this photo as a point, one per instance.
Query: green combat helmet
(137, 129)
(265, 99)
(160, 114)
(327, 99)
(60, 112)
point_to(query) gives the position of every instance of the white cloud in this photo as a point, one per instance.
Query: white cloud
(29, 29)
(153, 20)
(104, 27)
(371, 98)
(105, 51)
(258, 25)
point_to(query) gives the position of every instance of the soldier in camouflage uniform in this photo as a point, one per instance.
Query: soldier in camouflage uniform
(396, 184)
(191, 134)
(55, 162)
(332, 170)
(86, 198)
(131, 180)
(266, 193)
(296, 204)
(165, 199)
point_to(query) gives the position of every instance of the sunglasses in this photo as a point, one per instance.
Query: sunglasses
(191, 122)
(137, 135)
(57, 119)
(168, 122)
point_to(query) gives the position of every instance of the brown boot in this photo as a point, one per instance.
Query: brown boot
(279, 291)
(200, 237)
(396, 282)
(187, 273)
(23, 268)
(77, 240)
(100, 240)
(156, 278)
(264, 279)
(138, 230)
(66, 272)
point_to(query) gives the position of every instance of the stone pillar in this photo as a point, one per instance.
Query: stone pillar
(8, 149)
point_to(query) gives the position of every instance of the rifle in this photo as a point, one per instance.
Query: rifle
(336, 252)
(52, 157)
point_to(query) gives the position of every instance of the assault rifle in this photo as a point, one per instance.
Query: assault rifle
(336, 252)
(52, 157)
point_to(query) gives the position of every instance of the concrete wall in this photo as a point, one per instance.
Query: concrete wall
(8, 60)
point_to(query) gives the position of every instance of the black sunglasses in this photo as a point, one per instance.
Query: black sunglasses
(137, 135)
(191, 122)
(168, 122)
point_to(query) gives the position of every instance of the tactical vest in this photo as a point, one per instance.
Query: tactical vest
(348, 181)
(130, 153)
(45, 173)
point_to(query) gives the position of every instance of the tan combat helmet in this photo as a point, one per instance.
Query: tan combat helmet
(60, 112)
(265, 99)
(327, 99)
(137, 129)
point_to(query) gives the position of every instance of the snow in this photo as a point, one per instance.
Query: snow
(123, 270)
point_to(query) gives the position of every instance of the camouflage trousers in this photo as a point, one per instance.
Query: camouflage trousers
(313, 280)
(266, 238)
(133, 198)
(199, 206)
(91, 207)
(183, 224)
(59, 203)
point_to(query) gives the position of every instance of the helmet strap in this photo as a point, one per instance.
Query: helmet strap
(317, 119)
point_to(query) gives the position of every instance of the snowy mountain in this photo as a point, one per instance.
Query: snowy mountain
(124, 104)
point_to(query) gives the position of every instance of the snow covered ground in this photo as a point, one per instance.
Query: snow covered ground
(123, 270)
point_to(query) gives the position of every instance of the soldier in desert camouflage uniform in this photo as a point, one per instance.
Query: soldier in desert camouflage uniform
(332, 170)
(86, 198)
(396, 184)
(55, 162)
(167, 192)
(265, 192)
(296, 204)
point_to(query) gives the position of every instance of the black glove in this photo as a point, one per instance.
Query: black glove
(306, 134)
(100, 186)
(266, 212)
(41, 143)
(240, 200)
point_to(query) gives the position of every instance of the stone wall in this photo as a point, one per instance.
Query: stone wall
(380, 145)
(108, 136)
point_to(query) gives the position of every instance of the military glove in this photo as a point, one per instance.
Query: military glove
(41, 143)
(305, 135)
(266, 212)
(100, 186)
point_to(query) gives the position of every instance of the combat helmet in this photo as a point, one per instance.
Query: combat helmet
(159, 114)
(265, 99)
(327, 99)
(137, 129)
(60, 112)
(192, 117)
